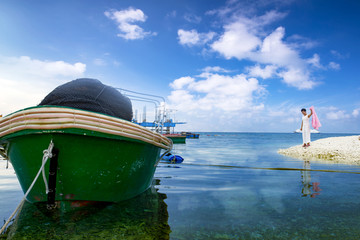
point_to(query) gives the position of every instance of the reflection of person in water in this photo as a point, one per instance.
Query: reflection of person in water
(306, 181)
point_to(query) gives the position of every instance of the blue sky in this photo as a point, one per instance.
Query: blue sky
(223, 65)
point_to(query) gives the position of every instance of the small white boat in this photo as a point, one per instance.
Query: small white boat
(311, 131)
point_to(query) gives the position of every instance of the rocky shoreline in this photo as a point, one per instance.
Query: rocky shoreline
(344, 150)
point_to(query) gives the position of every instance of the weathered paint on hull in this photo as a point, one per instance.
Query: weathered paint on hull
(90, 167)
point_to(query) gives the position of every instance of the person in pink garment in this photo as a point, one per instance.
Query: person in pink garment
(315, 120)
(305, 127)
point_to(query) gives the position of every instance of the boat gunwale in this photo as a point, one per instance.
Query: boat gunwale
(64, 118)
(40, 118)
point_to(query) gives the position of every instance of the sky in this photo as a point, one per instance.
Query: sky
(235, 66)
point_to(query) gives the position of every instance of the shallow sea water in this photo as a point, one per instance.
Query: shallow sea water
(230, 186)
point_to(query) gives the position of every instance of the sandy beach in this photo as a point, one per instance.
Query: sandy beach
(344, 150)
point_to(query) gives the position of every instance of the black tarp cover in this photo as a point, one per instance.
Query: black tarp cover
(90, 94)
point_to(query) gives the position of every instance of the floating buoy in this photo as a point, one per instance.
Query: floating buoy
(171, 158)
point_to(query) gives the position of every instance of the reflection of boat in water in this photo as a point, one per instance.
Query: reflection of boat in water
(142, 217)
(95, 156)
(311, 131)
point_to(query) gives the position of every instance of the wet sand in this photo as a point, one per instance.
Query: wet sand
(344, 150)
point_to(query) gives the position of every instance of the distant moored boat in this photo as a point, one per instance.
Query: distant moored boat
(176, 138)
(190, 134)
(312, 131)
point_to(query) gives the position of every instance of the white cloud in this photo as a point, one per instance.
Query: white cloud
(243, 39)
(356, 112)
(334, 65)
(116, 63)
(237, 41)
(217, 92)
(266, 72)
(315, 61)
(126, 20)
(339, 55)
(274, 50)
(298, 41)
(171, 14)
(268, 18)
(192, 37)
(337, 114)
(25, 81)
(209, 71)
(99, 62)
(25, 66)
(298, 78)
(215, 69)
(188, 37)
(217, 101)
(192, 18)
(181, 82)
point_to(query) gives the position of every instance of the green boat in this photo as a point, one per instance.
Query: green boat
(92, 156)
(176, 138)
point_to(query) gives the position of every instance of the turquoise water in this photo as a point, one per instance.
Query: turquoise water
(230, 186)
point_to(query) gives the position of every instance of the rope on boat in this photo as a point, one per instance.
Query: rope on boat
(12, 216)
(45, 158)
(167, 151)
(2, 154)
(157, 162)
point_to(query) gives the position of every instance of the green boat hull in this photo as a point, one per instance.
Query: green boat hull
(177, 139)
(91, 166)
